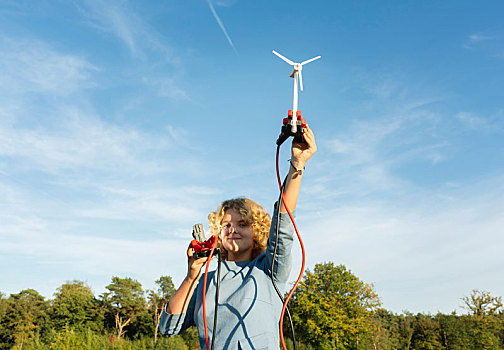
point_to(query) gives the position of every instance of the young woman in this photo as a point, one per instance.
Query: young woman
(249, 307)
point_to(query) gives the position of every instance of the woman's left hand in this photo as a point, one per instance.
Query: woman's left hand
(302, 151)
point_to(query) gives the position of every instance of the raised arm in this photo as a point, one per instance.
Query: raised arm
(300, 153)
(179, 301)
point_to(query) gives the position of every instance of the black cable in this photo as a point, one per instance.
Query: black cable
(273, 263)
(216, 296)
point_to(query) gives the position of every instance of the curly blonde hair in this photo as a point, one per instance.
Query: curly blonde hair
(253, 214)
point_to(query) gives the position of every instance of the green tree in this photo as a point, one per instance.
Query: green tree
(25, 318)
(191, 338)
(125, 300)
(482, 303)
(75, 307)
(455, 331)
(426, 333)
(4, 330)
(332, 308)
(158, 298)
(386, 333)
(485, 319)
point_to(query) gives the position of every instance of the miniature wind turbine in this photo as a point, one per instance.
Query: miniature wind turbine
(297, 75)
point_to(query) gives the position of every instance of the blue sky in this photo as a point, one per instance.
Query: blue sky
(124, 123)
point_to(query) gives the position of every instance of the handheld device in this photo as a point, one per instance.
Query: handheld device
(198, 232)
(286, 130)
(201, 247)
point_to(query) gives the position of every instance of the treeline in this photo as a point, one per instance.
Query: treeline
(124, 317)
(332, 309)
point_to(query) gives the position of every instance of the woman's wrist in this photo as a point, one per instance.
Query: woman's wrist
(191, 278)
(297, 165)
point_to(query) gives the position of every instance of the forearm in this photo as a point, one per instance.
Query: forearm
(300, 153)
(291, 191)
(179, 301)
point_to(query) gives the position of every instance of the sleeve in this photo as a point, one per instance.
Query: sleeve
(173, 324)
(283, 258)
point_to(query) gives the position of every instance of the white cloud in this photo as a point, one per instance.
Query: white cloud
(492, 124)
(33, 66)
(78, 141)
(414, 242)
(422, 243)
(366, 156)
(475, 38)
(485, 38)
(127, 26)
(145, 44)
(171, 204)
(166, 87)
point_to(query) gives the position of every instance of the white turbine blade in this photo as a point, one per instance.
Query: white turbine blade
(310, 60)
(301, 80)
(284, 58)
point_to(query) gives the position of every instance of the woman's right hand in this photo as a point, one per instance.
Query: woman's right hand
(194, 265)
(179, 301)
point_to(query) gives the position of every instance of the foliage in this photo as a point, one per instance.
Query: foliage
(299, 346)
(481, 303)
(158, 298)
(75, 306)
(26, 317)
(191, 338)
(426, 333)
(332, 308)
(69, 339)
(124, 301)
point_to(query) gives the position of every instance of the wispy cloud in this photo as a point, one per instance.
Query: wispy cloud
(434, 235)
(113, 18)
(221, 25)
(492, 124)
(30, 65)
(166, 87)
(487, 37)
(116, 18)
(146, 45)
(473, 40)
(83, 198)
(373, 203)
(476, 38)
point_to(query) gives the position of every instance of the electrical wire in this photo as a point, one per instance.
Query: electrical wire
(284, 301)
(293, 334)
(204, 297)
(216, 297)
(302, 252)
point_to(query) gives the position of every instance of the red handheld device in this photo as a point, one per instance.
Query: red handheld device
(203, 249)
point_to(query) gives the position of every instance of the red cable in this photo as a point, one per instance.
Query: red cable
(302, 252)
(295, 284)
(204, 296)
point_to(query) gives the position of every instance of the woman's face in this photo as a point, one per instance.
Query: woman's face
(237, 236)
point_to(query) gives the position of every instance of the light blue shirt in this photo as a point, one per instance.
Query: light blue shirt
(249, 308)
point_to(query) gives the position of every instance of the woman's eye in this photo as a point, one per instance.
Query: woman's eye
(243, 225)
(226, 225)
